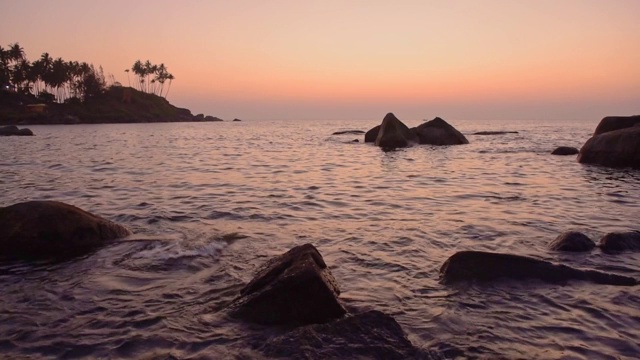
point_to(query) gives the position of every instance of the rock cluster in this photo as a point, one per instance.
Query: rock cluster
(392, 133)
(12, 130)
(615, 143)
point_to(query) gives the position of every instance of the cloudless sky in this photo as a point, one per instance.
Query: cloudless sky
(341, 59)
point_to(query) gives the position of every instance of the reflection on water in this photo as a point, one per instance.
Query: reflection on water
(384, 221)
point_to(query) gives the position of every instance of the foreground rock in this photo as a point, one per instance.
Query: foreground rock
(439, 132)
(572, 241)
(565, 150)
(12, 130)
(370, 335)
(394, 134)
(487, 266)
(612, 123)
(293, 288)
(52, 230)
(620, 241)
(617, 148)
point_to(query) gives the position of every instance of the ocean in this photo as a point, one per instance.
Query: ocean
(210, 202)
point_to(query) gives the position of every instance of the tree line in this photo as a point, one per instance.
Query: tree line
(58, 80)
(151, 78)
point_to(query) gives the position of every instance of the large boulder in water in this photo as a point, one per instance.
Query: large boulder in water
(617, 148)
(369, 335)
(611, 123)
(394, 134)
(293, 288)
(439, 132)
(486, 267)
(372, 134)
(572, 241)
(52, 230)
(12, 130)
(620, 241)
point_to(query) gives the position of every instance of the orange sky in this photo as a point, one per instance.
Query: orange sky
(357, 59)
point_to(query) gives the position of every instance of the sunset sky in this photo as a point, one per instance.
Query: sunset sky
(466, 59)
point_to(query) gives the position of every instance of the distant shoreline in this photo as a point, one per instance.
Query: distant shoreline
(118, 105)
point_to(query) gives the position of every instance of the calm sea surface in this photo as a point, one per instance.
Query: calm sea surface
(384, 222)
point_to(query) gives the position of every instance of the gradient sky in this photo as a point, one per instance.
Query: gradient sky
(293, 59)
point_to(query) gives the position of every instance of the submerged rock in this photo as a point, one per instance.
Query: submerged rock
(349, 132)
(439, 132)
(494, 132)
(616, 148)
(565, 150)
(394, 134)
(487, 266)
(52, 230)
(370, 335)
(572, 241)
(293, 288)
(12, 130)
(620, 241)
(612, 123)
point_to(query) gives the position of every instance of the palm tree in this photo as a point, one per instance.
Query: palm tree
(129, 79)
(170, 77)
(16, 52)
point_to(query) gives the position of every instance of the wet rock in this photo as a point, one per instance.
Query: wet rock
(371, 135)
(236, 120)
(52, 230)
(612, 123)
(394, 134)
(572, 241)
(439, 132)
(494, 132)
(293, 288)
(620, 241)
(486, 267)
(355, 141)
(12, 130)
(370, 335)
(565, 150)
(212, 118)
(616, 148)
(349, 132)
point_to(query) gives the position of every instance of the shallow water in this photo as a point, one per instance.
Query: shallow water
(384, 222)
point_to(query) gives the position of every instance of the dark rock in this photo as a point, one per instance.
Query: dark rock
(439, 132)
(611, 123)
(372, 134)
(620, 241)
(394, 134)
(370, 335)
(616, 148)
(212, 118)
(13, 130)
(572, 241)
(494, 132)
(565, 150)
(486, 266)
(355, 141)
(349, 132)
(52, 230)
(293, 288)
(237, 120)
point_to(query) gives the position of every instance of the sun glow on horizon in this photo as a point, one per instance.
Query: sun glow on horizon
(457, 55)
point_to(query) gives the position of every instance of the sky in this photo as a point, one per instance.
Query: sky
(342, 59)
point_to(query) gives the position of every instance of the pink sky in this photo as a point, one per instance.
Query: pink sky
(473, 59)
